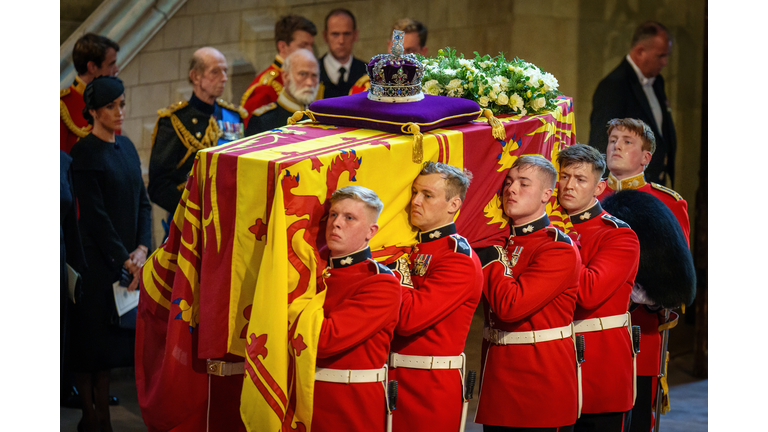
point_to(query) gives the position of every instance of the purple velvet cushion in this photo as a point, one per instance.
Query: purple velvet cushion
(358, 111)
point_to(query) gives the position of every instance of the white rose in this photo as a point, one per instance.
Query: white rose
(483, 101)
(492, 95)
(538, 103)
(523, 112)
(503, 99)
(533, 77)
(516, 102)
(432, 87)
(454, 88)
(496, 87)
(550, 82)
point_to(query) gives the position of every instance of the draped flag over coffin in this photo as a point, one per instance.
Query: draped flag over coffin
(237, 275)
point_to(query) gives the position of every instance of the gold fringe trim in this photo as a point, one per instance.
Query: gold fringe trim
(210, 138)
(498, 128)
(417, 155)
(65, 117)
(166, 112)
(298, 116)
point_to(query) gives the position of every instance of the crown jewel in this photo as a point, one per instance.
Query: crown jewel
(395, 77)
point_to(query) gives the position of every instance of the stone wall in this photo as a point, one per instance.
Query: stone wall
(577, 41)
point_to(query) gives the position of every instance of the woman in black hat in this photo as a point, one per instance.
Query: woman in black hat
(115, 228)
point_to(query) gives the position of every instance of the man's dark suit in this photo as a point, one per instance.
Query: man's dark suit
(620, 95)
(358, 70)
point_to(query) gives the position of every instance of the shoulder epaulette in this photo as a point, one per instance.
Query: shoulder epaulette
(363, 81)
(166, 112)
(461, 245)
(81, 132)
(559, 236)
(381, 268)
(667, 190)
(264, 108)
(64, 92)
(232, 107)
(613, 220)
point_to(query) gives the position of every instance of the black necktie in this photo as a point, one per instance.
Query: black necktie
(342, 71)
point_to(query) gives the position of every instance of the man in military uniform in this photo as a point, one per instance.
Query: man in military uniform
(631, 145)
(442, 285)
(358, 319)
(291, 33)
(610, 253)
(300, 72)
(186, 127)
(341, 74)
(529, 376)
(415, 40)
(93, 56)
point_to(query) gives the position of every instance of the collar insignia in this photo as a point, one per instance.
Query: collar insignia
(347, 261)
(435, 235)
(427, 236)
(528, 229)
(585, 216)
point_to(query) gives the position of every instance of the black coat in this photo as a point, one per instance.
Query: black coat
(114, 220)
(357, 70)
(620, 95)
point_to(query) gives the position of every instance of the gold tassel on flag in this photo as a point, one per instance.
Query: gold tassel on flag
(498, 129)
(298, 115)
(418, 149)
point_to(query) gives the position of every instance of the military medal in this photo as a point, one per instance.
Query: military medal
(420, 265)
(515, 255)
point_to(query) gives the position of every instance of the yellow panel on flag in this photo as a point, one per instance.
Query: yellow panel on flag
(247, 246)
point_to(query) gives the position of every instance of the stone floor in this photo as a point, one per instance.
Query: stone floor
(688, 395)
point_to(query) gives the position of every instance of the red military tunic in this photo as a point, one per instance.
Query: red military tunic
(264, 88)
(530, 285)
(670, 198)
(72, 125)
(435, 316)
(610, 253)
(361, 306)
(650, 342)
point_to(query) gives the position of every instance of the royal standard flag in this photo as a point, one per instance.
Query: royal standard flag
(236, 279)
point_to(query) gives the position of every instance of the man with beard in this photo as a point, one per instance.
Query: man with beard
(186, 127)
(300, 74)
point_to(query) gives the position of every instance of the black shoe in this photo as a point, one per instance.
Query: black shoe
(113, 400)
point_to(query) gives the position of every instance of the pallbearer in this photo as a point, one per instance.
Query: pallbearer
(529, 379)
(360, 313)
(609, 254)
(442, 285)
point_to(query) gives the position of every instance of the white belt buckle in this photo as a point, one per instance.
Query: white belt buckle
(495, 338)
(431, 362)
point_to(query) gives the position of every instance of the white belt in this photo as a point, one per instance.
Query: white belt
(501, 337)
(223, 368)
(425, 362)
(600, 324)
(350, 376)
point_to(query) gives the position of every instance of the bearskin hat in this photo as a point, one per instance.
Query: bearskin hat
(666, 270)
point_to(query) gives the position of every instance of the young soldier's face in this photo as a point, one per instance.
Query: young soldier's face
(525, 194)
(578, 187)
(429, 207)
(625, 156)
(350, 225)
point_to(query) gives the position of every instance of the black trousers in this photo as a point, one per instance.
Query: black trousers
(489, 428)
(642, 413)
(604, 422)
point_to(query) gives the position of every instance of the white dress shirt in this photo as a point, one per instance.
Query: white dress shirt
(332, 68)
(647, 84)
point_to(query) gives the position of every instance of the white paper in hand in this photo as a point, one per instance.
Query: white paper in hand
(124, 300)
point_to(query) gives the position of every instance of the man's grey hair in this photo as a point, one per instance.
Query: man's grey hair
(540, 164)
(648, 30)
(456, 180)
(288, 61)
(362, 194)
